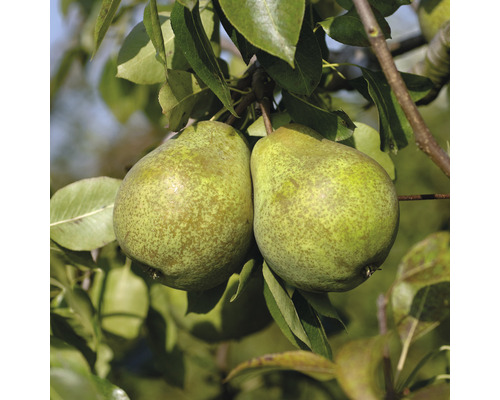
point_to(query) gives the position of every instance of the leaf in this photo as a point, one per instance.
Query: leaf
(191, 4)
(357, 365)
(270, 25)
(312, 325)
(77, 385)
(197, 49)
(203, 302)
(152, 23)
(104, 20)
(421, 293)
(285, 305)
(81, 214)
(277, 119)
(180, 96)
(439, 391)
(137, 60)
(245, 275)
(121, 96)
(308, 363)
(395, 130)
(125, 302)
(334, 125)
(348, 28)
(367, 140)
(386, 7)
(305, 74)
(322, 304)
(247, 50)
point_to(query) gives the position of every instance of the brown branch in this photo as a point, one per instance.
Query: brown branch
(423, 137)
(263, 87)
(382, 323)
(435, 196)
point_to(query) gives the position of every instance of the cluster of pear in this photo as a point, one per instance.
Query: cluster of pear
(324, 215)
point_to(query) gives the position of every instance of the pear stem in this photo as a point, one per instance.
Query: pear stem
(435, 196)
(423, 137)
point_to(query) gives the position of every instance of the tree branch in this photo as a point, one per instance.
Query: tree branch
(435, 196)
(423, 137)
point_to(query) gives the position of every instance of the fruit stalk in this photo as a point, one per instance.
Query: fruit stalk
(423, 137)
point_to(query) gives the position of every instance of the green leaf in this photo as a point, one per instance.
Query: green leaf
(244, 278)
(121, 96)
(357, 365)
(81, 214)
(421, 292)
(385, 7)
(197, 49)
(246, 49)
(348, 28)
(438, 391)
(152, 23)
(77, 385)
(313, 365)
(334, 125)
(312, 325)
(270, 25)
(367, 140)
(322, 304)
(277, 119)
(137, 60)
(180, 96)
(305, 74)
(125, 302)
(104, 20)
(395, 130)
(285, 304)
(191, 4)
(203, 302)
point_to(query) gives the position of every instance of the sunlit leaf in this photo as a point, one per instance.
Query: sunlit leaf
(104, 20)
(153, 27)
(188, 3)
(421, 293)
(285, 304)
(334, 125)
(270, 25)
(244, 277)
(137, 60)
(125, 302)
(197, 49)
(367, 140)
(81, 214)
(357, 363)
(305, 75)
(305, 362)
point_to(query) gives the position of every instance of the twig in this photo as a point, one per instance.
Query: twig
(423, 137)
(263, 89)
(382, 324)
(435, 196)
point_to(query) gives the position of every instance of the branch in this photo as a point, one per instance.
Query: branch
(263, 87)
(382, 323)
(423, 137)
(435, 196)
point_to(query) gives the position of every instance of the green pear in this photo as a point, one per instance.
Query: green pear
(184, 211)
(432, 14)
(228, 320)
(325, 214)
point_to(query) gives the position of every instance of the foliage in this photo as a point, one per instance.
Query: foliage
(115, 334)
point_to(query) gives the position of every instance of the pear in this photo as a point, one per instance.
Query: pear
(184, 211)
(432, 14)
(325, 214)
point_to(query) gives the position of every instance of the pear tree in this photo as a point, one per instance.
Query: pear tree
(264, 238)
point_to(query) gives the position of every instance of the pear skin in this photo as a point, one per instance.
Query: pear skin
(184, 211)
(325, 214)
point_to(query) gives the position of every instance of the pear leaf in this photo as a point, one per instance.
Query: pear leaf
(334, 125)
(348, 28)
(197, 49)
(285, 304)
(313, 365)
(137, 60)
(367, 140)
(104, 20)
(386, 7)
(152, 23)
(81, 213)
(182, 93)
(270, 25)
(421, 292)
(306, 72)
(244, 277)
(357, 363)
(204, 301)
(438, 391)
(322, 304)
